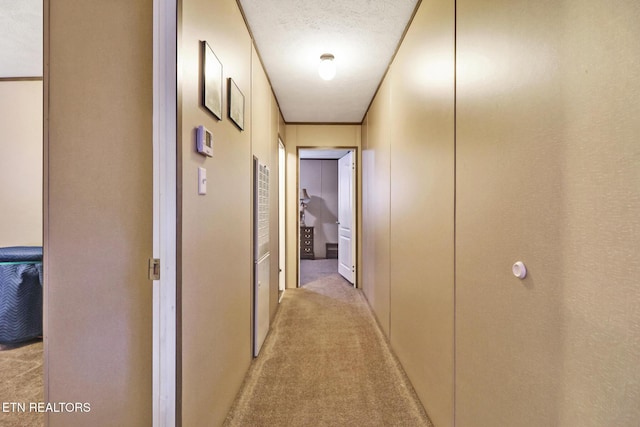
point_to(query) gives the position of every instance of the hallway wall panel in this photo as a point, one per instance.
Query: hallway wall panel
(217, 286)
(376, 187)
(264, 145)
(410, 146)
(216, 227)
(548, 155)
(98, 200)
(217, 256)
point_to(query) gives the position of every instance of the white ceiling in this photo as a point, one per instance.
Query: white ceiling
(322, 154)
(290, 36)
(21, 38)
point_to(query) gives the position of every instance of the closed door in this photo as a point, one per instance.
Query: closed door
(98, 202)
(346, 217)
(281, 217)
(261, 255)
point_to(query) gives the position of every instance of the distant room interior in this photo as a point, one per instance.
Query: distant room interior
(318, 214)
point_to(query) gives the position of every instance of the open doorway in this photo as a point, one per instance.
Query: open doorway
(327, 215)
(21, 224)
(21, 267)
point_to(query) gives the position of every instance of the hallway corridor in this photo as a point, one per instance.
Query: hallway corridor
(326, 363)
(495, 181)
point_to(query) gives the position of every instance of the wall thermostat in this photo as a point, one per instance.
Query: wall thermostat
(204, 141)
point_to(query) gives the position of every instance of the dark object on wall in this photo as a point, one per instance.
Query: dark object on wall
(20, 293)
(306, 243)
(332, 250)
(236, 105)
(211, 81)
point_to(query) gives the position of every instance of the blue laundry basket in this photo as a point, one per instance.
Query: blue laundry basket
(20, 293)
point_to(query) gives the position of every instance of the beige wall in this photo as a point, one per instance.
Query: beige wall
(21, 163)
(548, 173)
(422, 207)
(409, 152)
(217, 227)
(98, 219)
(264, 143)
(546, 168)
(313, 136)
(376, 197)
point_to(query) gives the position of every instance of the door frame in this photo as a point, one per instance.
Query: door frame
(356, 224)
(165, 215)
(282, 222)
(352, 213)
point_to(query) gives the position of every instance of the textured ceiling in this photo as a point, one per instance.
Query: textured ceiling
(322, 154)
(21, 38)
(290, 36)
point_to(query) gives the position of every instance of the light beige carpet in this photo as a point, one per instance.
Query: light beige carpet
(326, 363)
(21, 383)
(312, 270)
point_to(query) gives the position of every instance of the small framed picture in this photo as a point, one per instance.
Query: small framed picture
(236, 105)
(211, 81)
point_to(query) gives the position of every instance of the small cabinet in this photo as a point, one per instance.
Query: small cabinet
(306, 243)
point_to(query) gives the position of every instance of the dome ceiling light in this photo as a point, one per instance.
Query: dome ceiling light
(327, 68)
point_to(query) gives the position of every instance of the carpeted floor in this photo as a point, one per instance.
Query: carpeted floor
(22, 382)
(316, 269)
(326, 363)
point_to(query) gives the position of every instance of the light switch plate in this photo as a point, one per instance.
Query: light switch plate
(202, 181)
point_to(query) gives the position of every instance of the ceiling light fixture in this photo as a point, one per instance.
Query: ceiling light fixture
(327, 68)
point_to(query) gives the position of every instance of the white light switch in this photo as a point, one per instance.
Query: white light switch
(202, 181)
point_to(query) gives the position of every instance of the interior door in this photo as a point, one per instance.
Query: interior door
(165, 189)
(98, 202)
(281, 218)
(261, 255)
(346, 217)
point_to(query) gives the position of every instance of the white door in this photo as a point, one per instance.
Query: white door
(261, 255)
(164, 212)
(346, 217)
(97, 216)
(281, 218)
